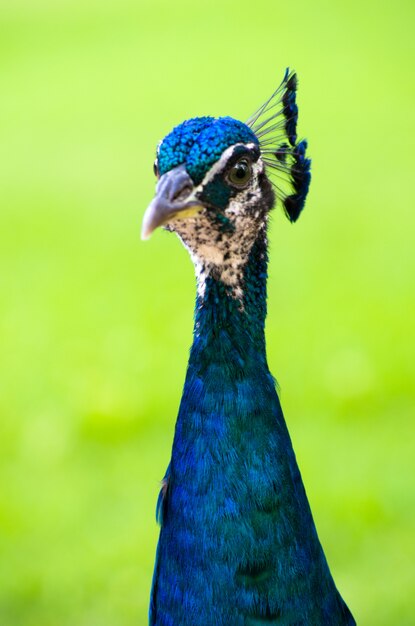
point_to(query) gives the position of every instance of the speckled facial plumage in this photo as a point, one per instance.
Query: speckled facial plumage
(221, 237)
(199, 142)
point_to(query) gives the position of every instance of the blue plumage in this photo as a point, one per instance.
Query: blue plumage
(199, 142)
(238, 545)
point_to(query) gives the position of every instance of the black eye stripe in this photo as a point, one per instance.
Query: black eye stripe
(238, 152)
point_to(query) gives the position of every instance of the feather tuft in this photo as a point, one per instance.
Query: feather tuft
(301, 177)
(275, 125)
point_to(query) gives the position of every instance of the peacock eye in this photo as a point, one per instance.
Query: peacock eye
(240, 173)
(156, 169)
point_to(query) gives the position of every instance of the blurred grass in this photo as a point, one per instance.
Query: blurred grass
(95, 326)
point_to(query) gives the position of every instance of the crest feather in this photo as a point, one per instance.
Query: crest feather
(275, 125)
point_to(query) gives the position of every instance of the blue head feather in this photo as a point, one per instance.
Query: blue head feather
(199, 142)
(175, 147)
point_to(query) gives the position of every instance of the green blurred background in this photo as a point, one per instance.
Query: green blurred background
(95, 325)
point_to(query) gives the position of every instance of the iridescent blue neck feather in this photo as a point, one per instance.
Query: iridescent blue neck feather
(238, 545)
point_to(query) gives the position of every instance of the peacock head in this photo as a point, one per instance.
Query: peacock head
(218, 179)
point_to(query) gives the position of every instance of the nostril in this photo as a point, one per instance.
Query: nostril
(182, 193)
(176, 185)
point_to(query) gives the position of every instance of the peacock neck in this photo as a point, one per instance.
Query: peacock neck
(230, 319)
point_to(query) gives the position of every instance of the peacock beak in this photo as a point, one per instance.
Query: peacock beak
(174, 199)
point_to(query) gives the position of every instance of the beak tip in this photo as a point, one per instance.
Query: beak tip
(145, 234)
(147, 225)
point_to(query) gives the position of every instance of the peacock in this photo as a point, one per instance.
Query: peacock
(237, 545)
